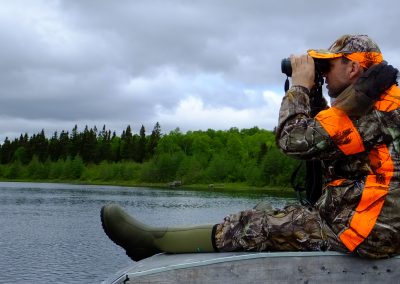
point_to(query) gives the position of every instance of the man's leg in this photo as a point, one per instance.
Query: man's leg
(140, 240)
(293, 228)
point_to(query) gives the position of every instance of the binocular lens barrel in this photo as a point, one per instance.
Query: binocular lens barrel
(321, 66)
(286, 66)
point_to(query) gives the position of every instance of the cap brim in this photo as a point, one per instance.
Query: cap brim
(323, 54)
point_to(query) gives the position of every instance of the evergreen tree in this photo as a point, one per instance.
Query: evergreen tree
(39, 146)
(88, 145)
(116, 147)
(54, 147)
(153, 140)
(141, 148)
(127, 145)
(65, 145)
(246, 155)
(75, 145)
(104, 146)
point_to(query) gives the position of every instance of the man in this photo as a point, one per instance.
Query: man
(358, 141)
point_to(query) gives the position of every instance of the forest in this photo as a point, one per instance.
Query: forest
(245, 156)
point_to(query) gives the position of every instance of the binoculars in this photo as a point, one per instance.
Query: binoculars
(321, 66)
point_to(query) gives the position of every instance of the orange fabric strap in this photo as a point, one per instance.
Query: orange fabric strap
(341, 130)
(372, 198)
(390, 100)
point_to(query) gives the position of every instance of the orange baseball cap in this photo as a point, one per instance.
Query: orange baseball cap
(359, 48)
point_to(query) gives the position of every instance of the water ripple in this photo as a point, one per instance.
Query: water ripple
(51, 233)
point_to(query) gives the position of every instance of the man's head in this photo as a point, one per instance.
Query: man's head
(349, 56)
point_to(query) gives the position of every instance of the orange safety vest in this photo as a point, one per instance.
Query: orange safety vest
(342, 131)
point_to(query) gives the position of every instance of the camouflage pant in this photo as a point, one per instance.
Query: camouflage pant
(293, 228)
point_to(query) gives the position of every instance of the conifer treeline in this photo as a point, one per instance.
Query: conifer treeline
(196, 157)
(91, 145)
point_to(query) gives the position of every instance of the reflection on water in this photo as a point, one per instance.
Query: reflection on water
(52, 232)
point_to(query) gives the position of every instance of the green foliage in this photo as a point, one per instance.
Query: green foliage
(254, 175)
(234, 156)
(163, 167)
(21, 155)
(110, 171)
(192, 169)
(37, 169)
(278, 168)
(222, 168)
(56, 169)
(14, 171)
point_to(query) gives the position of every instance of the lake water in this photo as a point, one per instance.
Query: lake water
(51, 233)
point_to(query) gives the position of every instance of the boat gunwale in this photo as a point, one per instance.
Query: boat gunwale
(237, 256)
(164, 262)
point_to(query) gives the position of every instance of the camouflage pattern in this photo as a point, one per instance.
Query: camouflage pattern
(354, 43)
(300, 228)
(348, 45)
(293, 228)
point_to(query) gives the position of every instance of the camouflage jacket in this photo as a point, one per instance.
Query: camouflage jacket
(361, 158)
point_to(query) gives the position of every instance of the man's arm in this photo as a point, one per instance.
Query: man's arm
(332, 133)
(299, 135)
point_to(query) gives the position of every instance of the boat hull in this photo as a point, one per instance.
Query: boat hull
(282, 267)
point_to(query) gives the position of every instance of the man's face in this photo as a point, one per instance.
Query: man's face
(337, 78)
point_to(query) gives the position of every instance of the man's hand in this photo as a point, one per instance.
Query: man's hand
(303, 71)
(377, 79)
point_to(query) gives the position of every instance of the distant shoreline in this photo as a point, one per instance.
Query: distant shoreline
(234, 188)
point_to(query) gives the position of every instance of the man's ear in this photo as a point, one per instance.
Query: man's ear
(355, 70)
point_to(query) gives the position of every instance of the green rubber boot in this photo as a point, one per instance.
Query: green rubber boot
(140, 240)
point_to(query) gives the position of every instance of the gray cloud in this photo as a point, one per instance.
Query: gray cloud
(136, 62)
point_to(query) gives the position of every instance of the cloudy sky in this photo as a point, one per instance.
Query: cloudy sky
(188, 64)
